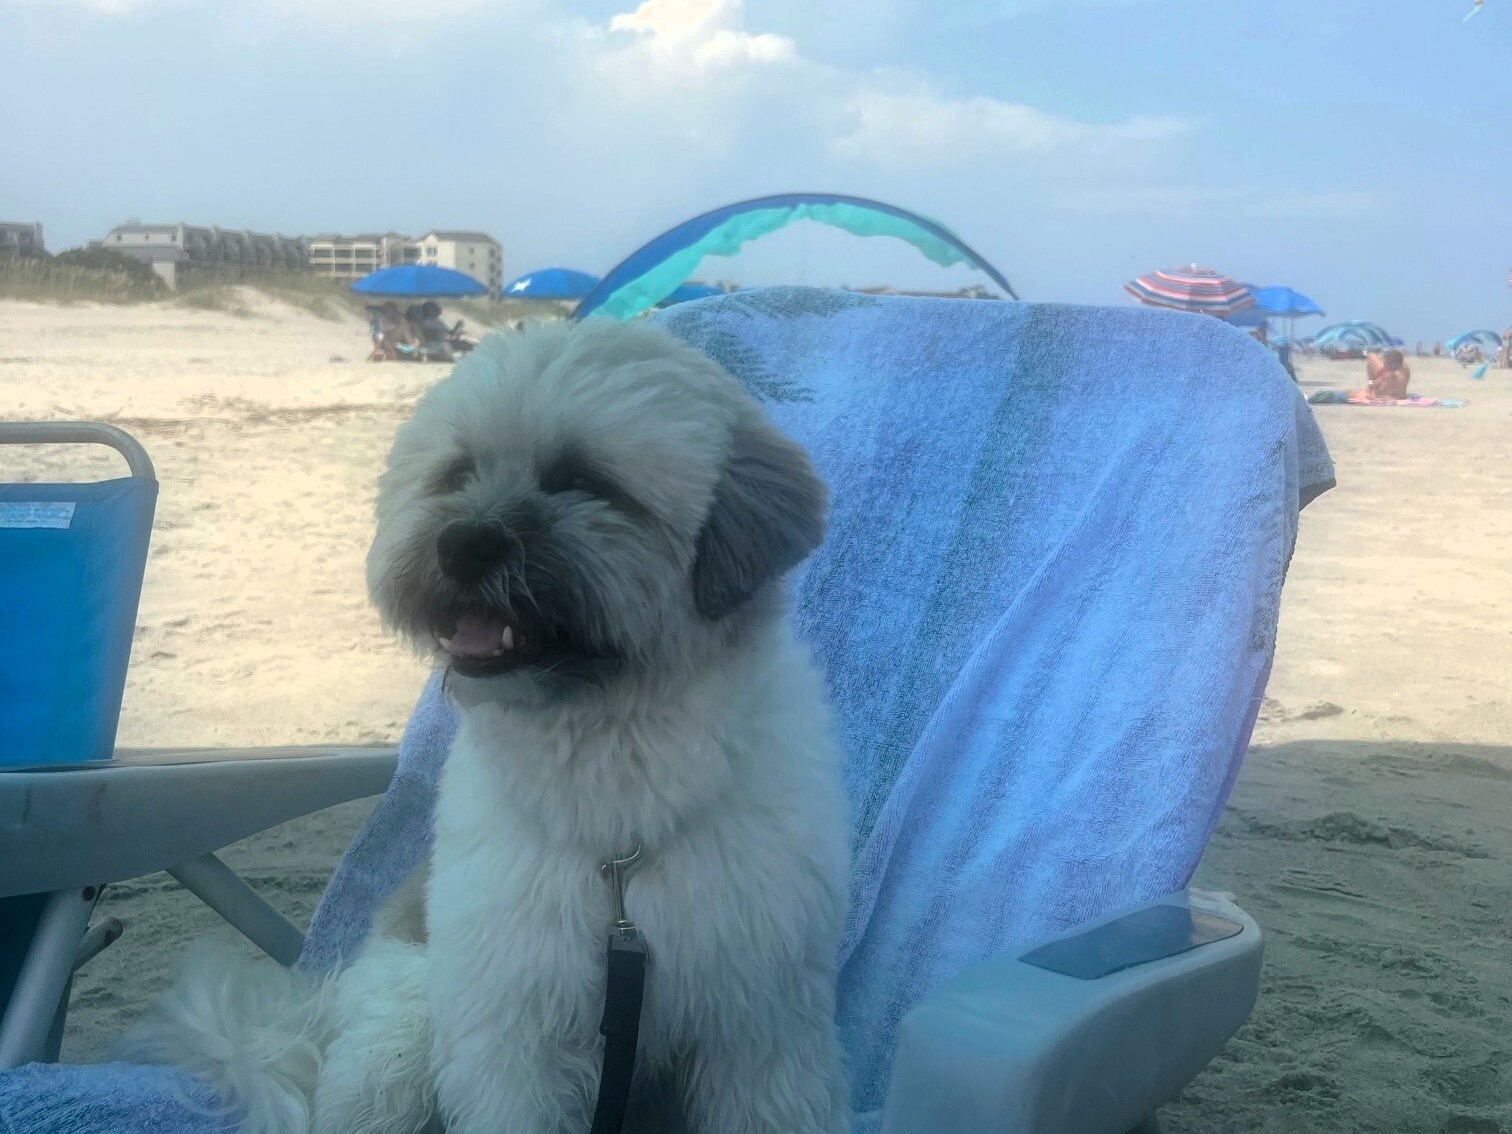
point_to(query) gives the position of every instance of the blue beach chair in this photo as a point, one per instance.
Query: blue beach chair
(76, 815)
(1047, 608)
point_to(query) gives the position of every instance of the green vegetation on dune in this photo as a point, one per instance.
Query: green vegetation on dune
(64, 279)
(98, 275)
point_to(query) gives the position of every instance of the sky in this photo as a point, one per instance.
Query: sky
(1358, 151)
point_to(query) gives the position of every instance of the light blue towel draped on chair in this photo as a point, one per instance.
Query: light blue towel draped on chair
(1046, 607)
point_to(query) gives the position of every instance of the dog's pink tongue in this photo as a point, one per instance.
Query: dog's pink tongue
(477, 636)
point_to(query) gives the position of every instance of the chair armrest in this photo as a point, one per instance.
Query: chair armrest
(67, 826)
(1015, 1047)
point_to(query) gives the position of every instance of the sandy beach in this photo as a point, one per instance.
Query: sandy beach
(1370, 833)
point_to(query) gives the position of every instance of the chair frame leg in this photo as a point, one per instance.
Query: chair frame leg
(53, 1048)
(219, 887)
(27, 1028)
(101, 935)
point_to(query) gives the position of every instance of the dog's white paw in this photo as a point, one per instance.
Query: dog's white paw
(376, 1076)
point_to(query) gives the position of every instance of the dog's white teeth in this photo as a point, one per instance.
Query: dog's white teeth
(445, 644)
(508, 638)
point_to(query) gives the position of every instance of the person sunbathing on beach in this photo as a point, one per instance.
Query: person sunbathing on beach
(1387, 375)
(393, 331)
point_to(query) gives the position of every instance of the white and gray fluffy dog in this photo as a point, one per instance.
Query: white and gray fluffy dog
(589, 525)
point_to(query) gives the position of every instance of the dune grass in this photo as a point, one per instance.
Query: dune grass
(55, 281)
(230, 291)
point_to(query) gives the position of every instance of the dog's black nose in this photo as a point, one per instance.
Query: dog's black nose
(468, 551)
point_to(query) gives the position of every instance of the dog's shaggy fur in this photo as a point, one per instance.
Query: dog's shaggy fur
(589, 525)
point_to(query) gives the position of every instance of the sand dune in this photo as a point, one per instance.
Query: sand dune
(1370, 833)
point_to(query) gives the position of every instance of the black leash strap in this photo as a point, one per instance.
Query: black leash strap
(624, 995)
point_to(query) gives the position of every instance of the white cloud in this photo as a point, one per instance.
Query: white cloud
(601, 129)
(888, 119)
(692, 69)
(923, 129)
(701, 36)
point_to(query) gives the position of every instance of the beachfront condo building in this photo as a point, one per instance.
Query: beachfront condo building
(344, 257)
(352, 257)
(21, 238)
(172, 249)
(476, 253)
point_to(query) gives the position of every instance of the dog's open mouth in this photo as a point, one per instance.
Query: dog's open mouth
(486, 642)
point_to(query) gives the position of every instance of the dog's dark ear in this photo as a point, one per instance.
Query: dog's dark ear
(768, 514)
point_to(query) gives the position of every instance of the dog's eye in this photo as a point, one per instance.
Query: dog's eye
(572, 472)
(569, 475)
(456, 475)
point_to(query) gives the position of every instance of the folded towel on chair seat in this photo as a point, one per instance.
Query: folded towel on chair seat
(1046, 606)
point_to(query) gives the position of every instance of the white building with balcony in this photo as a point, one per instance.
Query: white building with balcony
(476, 253)
(346, 257)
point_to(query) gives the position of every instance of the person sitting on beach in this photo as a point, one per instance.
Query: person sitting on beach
(1468, 354)
(432, 329)
(1386, 375)
(393, 331)
(1284, 353)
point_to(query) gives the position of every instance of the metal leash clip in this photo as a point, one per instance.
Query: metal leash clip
(615, 870)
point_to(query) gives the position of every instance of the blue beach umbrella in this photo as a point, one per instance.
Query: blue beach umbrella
(419, 281)
(1280, 302)
(1283, 302)
(1248, 318)
(1357, 335)
(550, 283)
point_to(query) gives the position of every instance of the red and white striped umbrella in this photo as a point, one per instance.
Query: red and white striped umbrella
(1191, 289)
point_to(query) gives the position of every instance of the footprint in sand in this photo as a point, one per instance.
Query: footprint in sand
(1274, 712)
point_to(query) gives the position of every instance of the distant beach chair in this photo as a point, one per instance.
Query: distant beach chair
(1044, 686)
(77, 814)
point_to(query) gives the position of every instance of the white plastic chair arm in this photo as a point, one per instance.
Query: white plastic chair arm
(1013, 1047)
(69, 826)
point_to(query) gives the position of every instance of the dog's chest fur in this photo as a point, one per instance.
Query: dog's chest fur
(729, 784)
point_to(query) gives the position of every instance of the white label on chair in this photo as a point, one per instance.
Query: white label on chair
(36, 514)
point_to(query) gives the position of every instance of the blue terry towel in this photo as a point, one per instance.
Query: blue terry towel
(1046, 606)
